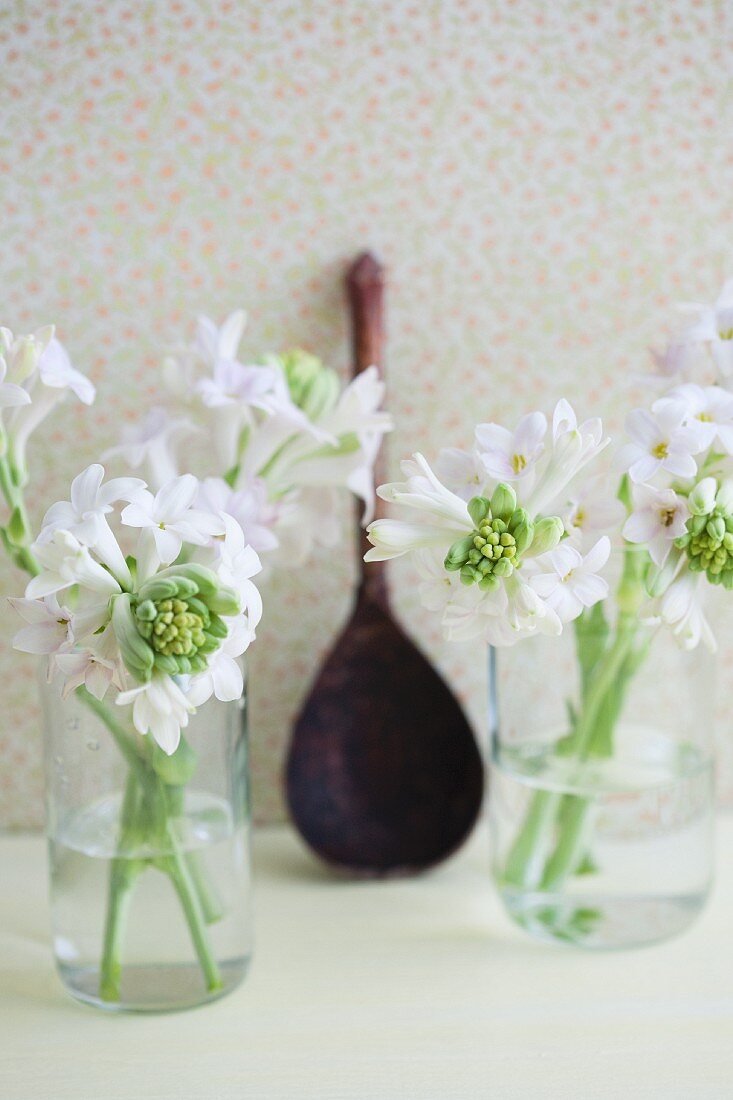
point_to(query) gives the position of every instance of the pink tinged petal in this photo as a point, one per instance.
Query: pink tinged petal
(175, 497)
(98, 679)
(33, 611)
(40, 638)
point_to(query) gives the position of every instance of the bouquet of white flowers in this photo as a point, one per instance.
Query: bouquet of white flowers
(142, 599)
(280, 436)
(510, 539)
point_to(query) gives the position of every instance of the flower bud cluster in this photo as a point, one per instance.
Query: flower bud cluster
(313, 387)
(708, 540)
(174, 622)
(502, 534)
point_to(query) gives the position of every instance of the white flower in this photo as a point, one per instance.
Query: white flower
(65, 561)
(47, 387)
(594, 509)
(659, 517)
(437, 586)
(215, 344)
(49, 628)
(237, 564)
(223, 676)
(572, 583)
(84, 516)
(85, 667)
(234, 384)
(446, 515)
(151, 442)
(356, 415)
(11, 395)
(680, 608)
(22, 353)
(55, 370)
(171, 518)
(248, 505)
(461, 471)
(573, 447)
(710, 408)
(660, 442)
(714, 327)
(509, 456)
(160, 708)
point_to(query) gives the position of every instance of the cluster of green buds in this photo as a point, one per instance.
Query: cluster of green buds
(708, 540)
(173, 623)
(502, 535)
(313, 387)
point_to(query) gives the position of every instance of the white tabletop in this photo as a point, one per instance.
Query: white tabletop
(416, 989)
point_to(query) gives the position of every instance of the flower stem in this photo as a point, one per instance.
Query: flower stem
(554, 818)
(123, 873)
(145, 809)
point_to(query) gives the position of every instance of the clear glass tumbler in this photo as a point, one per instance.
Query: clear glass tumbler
(602, 796)
(149, 855)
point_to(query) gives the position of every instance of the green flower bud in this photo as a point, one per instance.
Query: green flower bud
(503, 501)
(478, 510)
(523, 535)
(701, 500)
(457, 555)
(136, 653)
(547, 534)
(225, 601)
(17, 529)
(503, 568)
(715, 528)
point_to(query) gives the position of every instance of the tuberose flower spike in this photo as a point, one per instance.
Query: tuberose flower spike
(493, 549)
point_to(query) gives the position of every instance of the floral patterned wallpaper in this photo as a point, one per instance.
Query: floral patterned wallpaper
(541, 177)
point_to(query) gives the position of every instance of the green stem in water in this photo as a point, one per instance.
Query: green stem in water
(123, 873)
(144, 810)
(609, 678)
